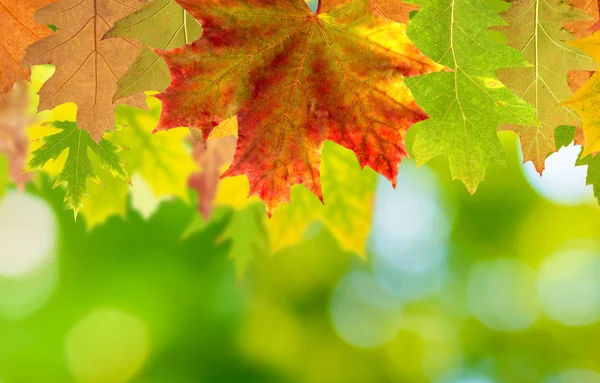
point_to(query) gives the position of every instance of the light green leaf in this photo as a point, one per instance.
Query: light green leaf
(249, 237)
(467, 105)
(78, 167)
(161, 24)
(564, 135)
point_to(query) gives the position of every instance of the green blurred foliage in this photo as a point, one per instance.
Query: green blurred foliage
(276, 324)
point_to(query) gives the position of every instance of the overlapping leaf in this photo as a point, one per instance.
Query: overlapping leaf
(581, 28)
(347, 213)
(349, 193)
(536, 28)
(78, 168)
(19, 30)
(295, 79)
(467, 105)
(171, 27)
(148, 157)
(87, 67)
(162, 161)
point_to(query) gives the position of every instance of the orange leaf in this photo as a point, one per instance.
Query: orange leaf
(19, 30)
(580, 29)
(295, 79)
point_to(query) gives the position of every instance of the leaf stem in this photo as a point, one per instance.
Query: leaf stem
(319, 7)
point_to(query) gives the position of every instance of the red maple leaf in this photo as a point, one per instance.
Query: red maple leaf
(295, 78)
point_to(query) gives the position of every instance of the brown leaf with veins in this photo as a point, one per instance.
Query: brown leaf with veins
(13, 138)
(211, 159)
(19, 30)
(87, 67)
(581, 29)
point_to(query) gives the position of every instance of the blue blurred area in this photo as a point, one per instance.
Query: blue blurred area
(313, 4)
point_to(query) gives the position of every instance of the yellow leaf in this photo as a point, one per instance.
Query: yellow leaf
(347, 213)
(163, 159)
(104, 201)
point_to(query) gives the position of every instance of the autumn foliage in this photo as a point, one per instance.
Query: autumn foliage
(276, 80)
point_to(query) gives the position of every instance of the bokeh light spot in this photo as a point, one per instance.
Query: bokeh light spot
(27, 234)
(502, 294)
(569, 287)
(410, 232)
(465, 376)
(312, 4)
(562, 181)
(575, 375)
(362, 312)
(107, 346)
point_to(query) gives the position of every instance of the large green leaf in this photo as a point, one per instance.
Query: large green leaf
(467, 105)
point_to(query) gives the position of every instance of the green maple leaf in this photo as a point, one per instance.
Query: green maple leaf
(465, 106)
(536, 28)
(249, 238)
(78, 167)
(564, 135)
(159, 24)
(246, 233)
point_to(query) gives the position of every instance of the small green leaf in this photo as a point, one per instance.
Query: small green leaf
(564, 135)
(78, 167)
(467, 105)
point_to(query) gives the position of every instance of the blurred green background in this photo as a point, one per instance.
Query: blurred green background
(501, 286)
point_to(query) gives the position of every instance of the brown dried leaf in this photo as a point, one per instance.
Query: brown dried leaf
(19, 30)
(87, 67)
